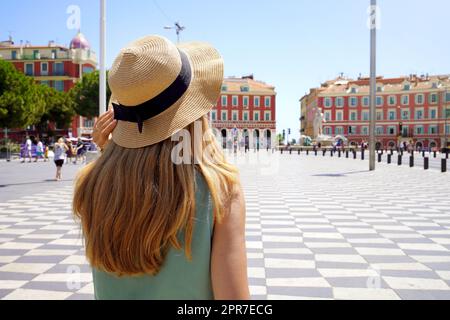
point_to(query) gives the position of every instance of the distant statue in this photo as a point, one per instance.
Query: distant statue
(319, 120)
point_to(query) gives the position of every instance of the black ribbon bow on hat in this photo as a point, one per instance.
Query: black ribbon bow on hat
(150, 109)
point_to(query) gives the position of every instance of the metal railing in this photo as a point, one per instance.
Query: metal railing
(48, 74)
(58, 55)
(27, 57)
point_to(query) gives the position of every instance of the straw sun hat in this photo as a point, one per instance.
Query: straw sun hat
(159, 88)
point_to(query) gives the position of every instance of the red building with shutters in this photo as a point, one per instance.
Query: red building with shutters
(246, 108)
(414, 109)
(55, 66)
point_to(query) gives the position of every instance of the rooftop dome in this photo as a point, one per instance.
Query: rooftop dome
(79, 42)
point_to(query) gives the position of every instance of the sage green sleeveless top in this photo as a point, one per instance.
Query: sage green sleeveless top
(179, 279)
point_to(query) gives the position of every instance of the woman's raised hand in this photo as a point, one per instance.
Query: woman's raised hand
(103, 127)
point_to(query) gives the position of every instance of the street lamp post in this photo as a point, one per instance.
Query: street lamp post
(7, 145)
(178, 29)
(446, 113)
(373, 81)
(400, 127)
(445, 130)
(102, 92)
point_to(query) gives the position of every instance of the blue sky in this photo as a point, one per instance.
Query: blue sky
(291, 44)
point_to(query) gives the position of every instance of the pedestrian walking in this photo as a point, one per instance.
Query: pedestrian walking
(247, 144)
(71, 153)
(60, 156)
(27, 150)
(156, 227)
(80, 151)
(46, 150)
(39, 150)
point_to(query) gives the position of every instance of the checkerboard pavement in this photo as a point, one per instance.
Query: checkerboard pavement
(317, 228)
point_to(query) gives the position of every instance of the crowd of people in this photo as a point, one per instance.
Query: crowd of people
(63, 151)
(40, 150)
(37, 150)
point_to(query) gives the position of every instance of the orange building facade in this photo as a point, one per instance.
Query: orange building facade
(246, 110)
(413, 109)
(55, 66)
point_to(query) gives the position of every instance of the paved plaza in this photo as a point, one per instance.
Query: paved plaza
(317, 228)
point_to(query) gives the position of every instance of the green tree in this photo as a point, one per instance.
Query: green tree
(21, 101)
(59, 108)
(86, 95)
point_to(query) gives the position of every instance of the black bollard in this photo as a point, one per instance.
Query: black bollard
(324, 152)
(379, 157)
(346, 154)
(443, 165)
(399, 160)
(434, 154)
(281, 150)
(339, 153)
(354, 154)
(389, 159)
(411, 161)
(362, 154)
(315, 153)
(298, 151)
(331, 153)
(426, 163)
(290, 151)
(423, 154)
(307, 152)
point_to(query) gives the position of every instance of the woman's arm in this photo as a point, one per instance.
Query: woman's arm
(229, 257)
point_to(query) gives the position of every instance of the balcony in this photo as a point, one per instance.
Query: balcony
(57, 73)
(52, 74)
(56, 56)
(26, 57)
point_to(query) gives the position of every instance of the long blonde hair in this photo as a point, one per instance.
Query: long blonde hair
(133, 203)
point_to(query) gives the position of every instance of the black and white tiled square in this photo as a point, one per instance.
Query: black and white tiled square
(40, 246)
(317, 228)
(333, 230)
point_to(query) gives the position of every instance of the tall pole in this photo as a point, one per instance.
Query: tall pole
(102, 57)
(446, 113)
(373, 81)
(8, 151)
